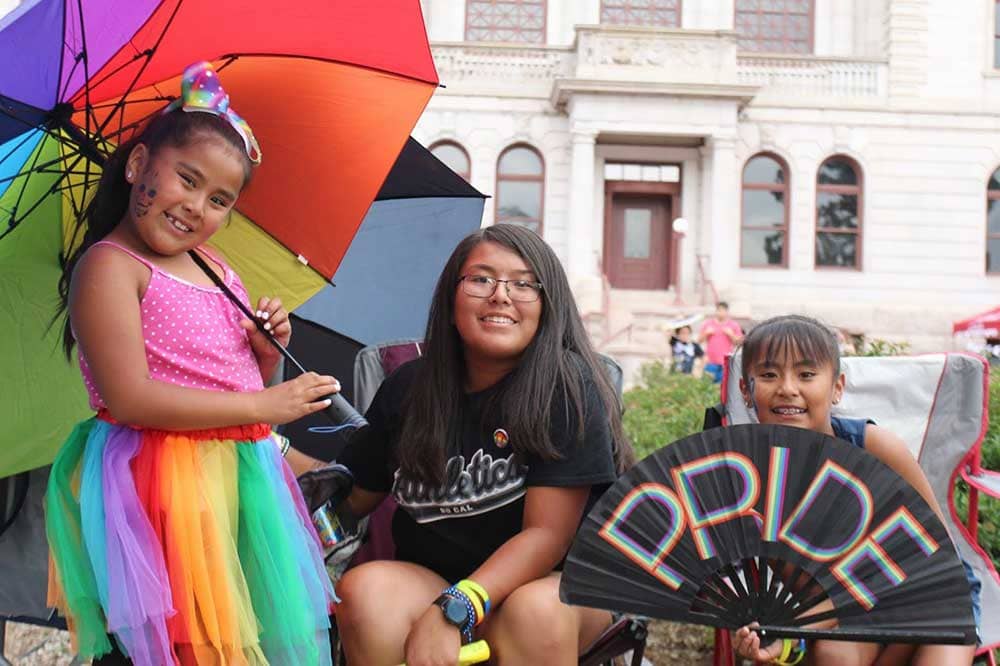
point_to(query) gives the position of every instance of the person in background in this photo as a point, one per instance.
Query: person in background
(719, 335)
(684, 351)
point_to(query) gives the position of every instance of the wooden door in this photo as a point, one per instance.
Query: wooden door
(639, 252)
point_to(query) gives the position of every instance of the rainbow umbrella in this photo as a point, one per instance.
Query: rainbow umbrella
(332, 89)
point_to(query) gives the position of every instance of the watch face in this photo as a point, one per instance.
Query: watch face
(455, 611)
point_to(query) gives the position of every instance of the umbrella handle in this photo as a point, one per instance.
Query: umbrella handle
(340, 411)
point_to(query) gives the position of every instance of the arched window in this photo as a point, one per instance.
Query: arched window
(838, 213)
(521, 21)
(657, 13)
(454, 157)
(764, 222)
(520, 187)
(775, 26)
(993, 224)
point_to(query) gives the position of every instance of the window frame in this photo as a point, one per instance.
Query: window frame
(543, 30)
(991, 195)
(679, 11)
(786, 187)
(994, 64)
(859, 191)
(520, 179)
(455, 144)
(811, 43)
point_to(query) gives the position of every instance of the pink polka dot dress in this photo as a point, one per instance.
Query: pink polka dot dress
(194, 546)
(192, 334)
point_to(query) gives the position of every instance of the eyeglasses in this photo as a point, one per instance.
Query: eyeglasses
(484, 286)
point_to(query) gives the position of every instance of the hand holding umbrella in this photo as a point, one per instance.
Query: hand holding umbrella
(339, 410)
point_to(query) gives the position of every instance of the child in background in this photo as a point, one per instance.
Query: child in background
(684, 351)
(174, 524)
(791, 376)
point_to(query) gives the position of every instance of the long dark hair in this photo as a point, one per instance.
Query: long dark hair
(556, 359)
(109, 203)
(773, 338)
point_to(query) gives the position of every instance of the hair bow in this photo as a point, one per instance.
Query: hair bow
(201, 91)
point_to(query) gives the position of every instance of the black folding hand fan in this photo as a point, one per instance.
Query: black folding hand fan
(782, 526)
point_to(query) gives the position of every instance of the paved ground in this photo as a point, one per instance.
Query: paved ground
(39, 646)
(668, 644)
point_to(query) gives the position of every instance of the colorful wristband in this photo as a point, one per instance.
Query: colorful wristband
(283, 443)
(792, 652)
(476, 589)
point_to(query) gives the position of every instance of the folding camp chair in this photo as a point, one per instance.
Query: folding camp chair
(372, 365)
(937, 403)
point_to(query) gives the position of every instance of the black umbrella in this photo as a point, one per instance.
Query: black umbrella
(385, 282)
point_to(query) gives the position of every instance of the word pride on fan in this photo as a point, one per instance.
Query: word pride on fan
(776, 525)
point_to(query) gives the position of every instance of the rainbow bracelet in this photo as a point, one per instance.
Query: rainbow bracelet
(792, 652)
(478, 594)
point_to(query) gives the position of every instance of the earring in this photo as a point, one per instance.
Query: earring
(128, 176)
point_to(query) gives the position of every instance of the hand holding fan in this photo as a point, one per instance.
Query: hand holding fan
(781, 526)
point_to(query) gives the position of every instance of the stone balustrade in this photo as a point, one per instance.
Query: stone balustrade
(651, 55)
(814, 76)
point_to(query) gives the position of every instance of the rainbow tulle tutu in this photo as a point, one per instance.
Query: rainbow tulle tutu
(187, 548)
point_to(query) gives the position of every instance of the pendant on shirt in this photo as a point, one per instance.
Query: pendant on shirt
(500, 437)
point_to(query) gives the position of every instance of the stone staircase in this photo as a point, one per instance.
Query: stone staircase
(635, 328)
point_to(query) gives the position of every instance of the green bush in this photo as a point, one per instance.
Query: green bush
(665, 407)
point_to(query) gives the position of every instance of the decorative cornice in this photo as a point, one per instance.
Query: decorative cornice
(564, 89)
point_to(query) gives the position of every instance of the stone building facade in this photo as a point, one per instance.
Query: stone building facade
(831, 157)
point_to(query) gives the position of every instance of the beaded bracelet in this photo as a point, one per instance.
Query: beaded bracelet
(792, 652)
(479, 596)
(466, 629)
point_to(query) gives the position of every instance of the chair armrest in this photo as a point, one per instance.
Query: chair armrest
(985, 482)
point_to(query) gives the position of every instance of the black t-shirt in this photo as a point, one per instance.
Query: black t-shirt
(453, 528)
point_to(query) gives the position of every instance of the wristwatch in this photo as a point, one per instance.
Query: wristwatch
(454, 609)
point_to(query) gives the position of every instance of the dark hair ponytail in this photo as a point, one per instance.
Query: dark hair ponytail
(109, 204)
(102, 214)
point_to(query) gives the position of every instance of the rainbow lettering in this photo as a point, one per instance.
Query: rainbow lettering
(684, 480)
(831, 472)
(777, 481)
(871, 549)
(650, 561)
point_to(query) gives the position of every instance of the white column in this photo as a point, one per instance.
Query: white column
(722, 189)
(693, 211)
(582, 255)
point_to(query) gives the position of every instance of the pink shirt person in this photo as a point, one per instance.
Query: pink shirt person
(719, 334)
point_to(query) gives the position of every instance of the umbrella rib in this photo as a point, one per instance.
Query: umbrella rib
(149, 56)
(138, 56)
(7, 112)
(27, 137)
(161, 98)
(23, 173)
(76, 63)
(12, 223)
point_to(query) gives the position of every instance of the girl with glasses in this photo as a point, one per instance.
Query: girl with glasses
(493, 444)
